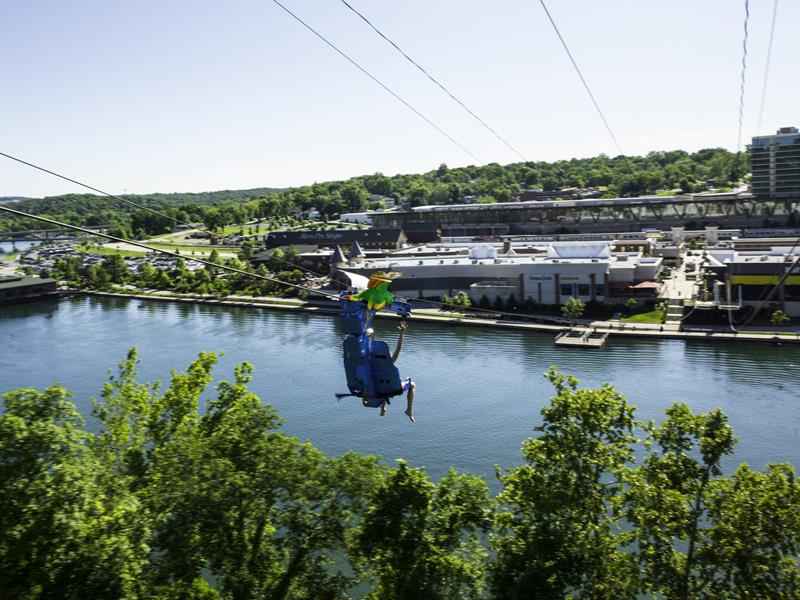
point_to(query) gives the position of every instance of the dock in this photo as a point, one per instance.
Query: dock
(582, 338)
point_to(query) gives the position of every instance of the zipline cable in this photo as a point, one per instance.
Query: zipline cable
(131, 202)
(742, 82)
(224, 267)
(578, 71)
(764, 292)
(205, 262)
(94, 189)
(167, 252)
(766, 69)
(122, 240)
(777, 286)
(764, 301)
(377, 81)
(434, 80)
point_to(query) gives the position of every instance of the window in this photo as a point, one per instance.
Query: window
(600, 289)
(566, 289)
(583, 289)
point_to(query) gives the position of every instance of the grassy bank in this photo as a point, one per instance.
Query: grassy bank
(655, 317)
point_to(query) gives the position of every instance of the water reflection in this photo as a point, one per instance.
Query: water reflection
(45, 307)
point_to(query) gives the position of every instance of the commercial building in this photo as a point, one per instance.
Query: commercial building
(569, 193)
(385, 239)
(749, 278)
(775, 163)
(392, 238)
(588, 271)
(356, 217)
(14, 290)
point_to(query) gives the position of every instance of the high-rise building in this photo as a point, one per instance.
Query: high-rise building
(775, 163)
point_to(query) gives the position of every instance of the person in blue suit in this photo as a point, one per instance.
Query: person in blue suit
(369, 366)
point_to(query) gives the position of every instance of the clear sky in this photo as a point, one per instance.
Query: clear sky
(198, 95)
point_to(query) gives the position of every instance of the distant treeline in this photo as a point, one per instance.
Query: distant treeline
(619, 176)
(178, 492)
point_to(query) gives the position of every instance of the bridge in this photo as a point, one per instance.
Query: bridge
(46, 235)
(611, 214)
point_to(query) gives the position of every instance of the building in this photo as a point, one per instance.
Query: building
(15, 290)
(748, 278)
(567, 193)
(421, 232)
(775, 163)
(386, 239)
(588, 271)
(356, 217)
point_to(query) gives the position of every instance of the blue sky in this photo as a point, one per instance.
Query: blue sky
(202, 95)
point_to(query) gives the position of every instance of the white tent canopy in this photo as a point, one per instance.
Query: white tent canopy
(357, 281)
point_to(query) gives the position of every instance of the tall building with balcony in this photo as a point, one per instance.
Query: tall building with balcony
(775, 163)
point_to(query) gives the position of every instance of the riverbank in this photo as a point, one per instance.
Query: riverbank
(612, 328)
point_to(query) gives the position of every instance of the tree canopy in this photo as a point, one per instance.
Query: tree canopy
(177, 493)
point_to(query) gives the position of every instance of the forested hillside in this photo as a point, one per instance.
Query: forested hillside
(619, 176)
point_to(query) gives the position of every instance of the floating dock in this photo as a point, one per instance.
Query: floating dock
(582, 338)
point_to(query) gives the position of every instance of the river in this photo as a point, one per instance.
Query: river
(479, 391)
(14, 247)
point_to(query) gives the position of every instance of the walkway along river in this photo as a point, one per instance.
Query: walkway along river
(479, 390)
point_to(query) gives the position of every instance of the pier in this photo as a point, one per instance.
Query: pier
(582, 338)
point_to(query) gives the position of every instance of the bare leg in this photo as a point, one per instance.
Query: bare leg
(410, 403)
(383, 408)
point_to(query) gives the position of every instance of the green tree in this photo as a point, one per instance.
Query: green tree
(779, 318)
(681, 514)
(511, 304)
(722, 167)
(573, 309)
(355, 196)
(752, 546)
(213, 257)
(170, 496)
(69, 528)
(97, 278)
(423, 540)
(558, 533)
(265, 514)
(147, 275)
(459, 301)
(291, 257)
(163, 280)
(498, 303)
(247, 250)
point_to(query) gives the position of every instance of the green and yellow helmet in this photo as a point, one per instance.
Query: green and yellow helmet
(377, 294)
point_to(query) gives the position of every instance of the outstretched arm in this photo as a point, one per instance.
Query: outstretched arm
(402, 327)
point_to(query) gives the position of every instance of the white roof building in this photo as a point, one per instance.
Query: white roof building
(589, 271)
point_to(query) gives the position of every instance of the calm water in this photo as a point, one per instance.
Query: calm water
(479, 391)
(13, 247)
